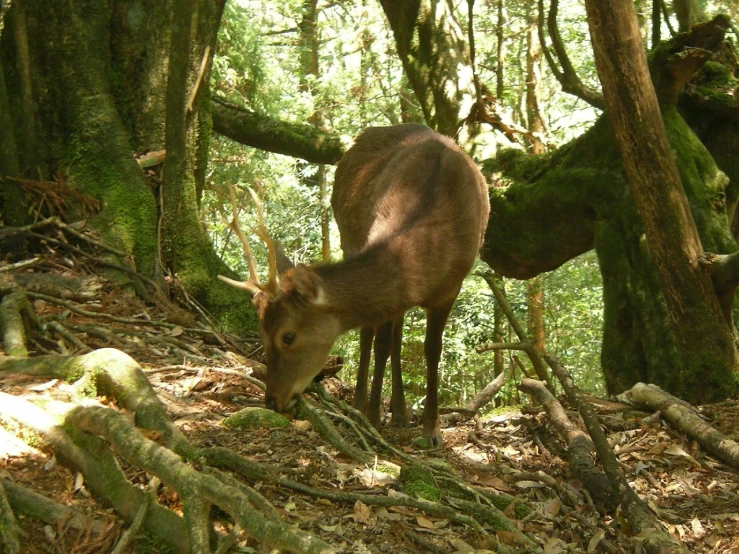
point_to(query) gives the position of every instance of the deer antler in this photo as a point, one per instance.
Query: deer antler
(253, 285)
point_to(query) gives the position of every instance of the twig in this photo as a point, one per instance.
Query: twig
(138, 521)
(201, 72)
(19, 265)
(70, 229)
(61, 330)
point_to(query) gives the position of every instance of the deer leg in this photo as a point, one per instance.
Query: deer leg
(383, 339)
(435, 322)
(397, 401)
(366, 334)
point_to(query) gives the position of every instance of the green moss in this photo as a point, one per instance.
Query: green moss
(416, 481)
(151, 544)
(256, 418)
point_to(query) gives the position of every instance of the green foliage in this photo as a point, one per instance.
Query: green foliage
(359, 83)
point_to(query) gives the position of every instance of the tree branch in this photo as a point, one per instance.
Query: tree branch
(274, 135)
(567, 76)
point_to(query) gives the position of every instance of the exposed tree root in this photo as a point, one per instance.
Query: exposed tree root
(37, 506)
(685, 419)
(9, 530)
(579, 447)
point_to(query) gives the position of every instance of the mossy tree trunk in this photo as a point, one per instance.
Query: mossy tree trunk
(656, 187)
(435, 56)
(560, 205)
(99, 84)
(557, 206)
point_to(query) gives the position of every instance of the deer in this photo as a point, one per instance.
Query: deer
(411, 207)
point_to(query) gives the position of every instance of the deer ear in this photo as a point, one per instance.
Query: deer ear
(283, 262)
(303, 281)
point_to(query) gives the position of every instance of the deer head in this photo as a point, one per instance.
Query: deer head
(297, 326)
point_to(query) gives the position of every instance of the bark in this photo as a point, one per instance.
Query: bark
(273, 135)
(657, 191)
(12, 197)
(80, 132)
(435, 57)
(309, 62)
(559, 205)
(686, 419)
(500, 50)
(108, 62)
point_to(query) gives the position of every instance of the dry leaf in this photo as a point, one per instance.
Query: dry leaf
(79, 480)
(425, 522)
(461, 546)
(362, 513)
(595, 541)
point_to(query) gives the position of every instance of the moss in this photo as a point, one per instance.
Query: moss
(256, 418)
(151, 544)
(416, 481)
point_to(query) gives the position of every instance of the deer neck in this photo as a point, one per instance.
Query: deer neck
(367, 289)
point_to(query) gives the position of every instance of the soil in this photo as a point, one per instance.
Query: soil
(202, 379)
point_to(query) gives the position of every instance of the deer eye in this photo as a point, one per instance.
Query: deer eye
(288, 339)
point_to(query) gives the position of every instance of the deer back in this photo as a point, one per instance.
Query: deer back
(414, 192)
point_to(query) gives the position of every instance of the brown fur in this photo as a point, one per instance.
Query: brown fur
(412, 209)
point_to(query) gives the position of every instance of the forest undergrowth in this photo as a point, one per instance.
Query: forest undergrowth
(118, 434)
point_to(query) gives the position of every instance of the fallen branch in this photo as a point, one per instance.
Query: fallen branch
(579, 447)
(684, 419)
(657, 540)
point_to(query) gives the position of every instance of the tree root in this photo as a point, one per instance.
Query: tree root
(685, 419)
(641, 518)
(9, 530)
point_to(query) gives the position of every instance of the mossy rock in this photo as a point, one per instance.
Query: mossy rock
(417, 481)
(256, 418)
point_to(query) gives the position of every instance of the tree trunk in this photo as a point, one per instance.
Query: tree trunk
(709, 365)
(419, 28)
(309, 63)
(98, 83)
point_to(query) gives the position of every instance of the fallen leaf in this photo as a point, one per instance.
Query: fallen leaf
(425, 522)
(362, 513)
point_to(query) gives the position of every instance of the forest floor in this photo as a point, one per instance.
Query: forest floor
(202, 381)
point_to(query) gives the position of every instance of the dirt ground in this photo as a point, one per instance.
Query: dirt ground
(202, 381)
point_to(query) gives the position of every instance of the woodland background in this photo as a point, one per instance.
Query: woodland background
(123, 122)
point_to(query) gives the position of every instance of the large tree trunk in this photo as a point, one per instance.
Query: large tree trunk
(656, 187)
(98, 79)
(561, 205)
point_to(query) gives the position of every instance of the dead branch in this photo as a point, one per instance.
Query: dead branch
(579, 447)
(641, 518)
(534, 356)
(21, 265)
(685, 419)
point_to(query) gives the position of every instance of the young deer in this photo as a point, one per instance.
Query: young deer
(412, 208)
